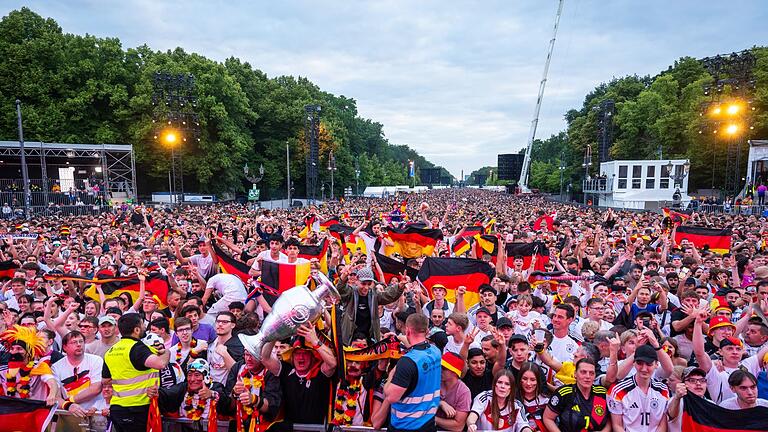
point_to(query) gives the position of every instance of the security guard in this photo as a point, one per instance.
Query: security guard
(414, 391)
(130, 368)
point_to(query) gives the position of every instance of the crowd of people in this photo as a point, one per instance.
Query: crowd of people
(638, 323)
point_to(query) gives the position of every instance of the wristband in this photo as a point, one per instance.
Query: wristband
(65, 406)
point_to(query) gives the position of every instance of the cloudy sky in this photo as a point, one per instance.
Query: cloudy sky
(455, 80)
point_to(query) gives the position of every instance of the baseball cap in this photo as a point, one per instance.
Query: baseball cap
(114, 310)
(693, 370)
(517, 338)
(691, 281)
(365, 275)
(646, 354)
(730, 340)
(439, 338)
(484, 310)
(107, 319)
(719, 321)
(503, 322)
(453, 362)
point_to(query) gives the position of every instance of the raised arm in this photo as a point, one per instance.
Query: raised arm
(698, 341)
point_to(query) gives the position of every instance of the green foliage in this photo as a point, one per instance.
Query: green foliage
(84, 89)
(652, 113)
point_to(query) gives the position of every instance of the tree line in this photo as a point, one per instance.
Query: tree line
(86, 89)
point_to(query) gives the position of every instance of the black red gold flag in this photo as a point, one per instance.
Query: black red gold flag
(460, 246)
(527, 251)
(7, 269)
(393, 268)
(24, 414)
(717, 240)
(228, 264)
(413, 242)
(318, 252)
(701, 415)
(278, 277)
(455, 272)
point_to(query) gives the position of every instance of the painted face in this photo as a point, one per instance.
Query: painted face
(503, 387)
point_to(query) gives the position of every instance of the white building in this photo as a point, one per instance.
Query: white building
(639, 184)
(757, 164)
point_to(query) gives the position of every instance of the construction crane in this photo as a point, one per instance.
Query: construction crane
(523, 183)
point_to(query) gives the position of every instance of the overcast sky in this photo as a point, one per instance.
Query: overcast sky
(456, 81)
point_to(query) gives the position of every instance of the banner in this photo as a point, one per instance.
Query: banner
(387, 348)
(528, 251)
(393, 268)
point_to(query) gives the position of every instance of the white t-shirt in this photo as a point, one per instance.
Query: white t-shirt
(219, 371)
(204, 264)
(485, 421)
(88, 373)
(717, 382)
(228, 286)
(733, 404)
(265, 255)
(563, 349)
(524, 324)
(640, 411)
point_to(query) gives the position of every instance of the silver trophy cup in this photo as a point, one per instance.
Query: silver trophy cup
(292, 309)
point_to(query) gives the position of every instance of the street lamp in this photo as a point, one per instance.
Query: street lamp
(562, 170)
(587, 163)
(331, 168)
(253, 180)
(677, 180)
(171, 138)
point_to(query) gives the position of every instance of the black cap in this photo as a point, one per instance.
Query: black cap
(690, 281)
(646, 353)
(483, 309)
(439, 338)
(517, 338)
(504, 322)
(693, 370)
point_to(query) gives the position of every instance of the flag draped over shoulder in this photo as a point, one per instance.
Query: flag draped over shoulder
(7, 269)
(279, 277)
(718, 240)
(528, 251)
(392, 267)
(455, 272)
(228, 264)
(413, 241)
(318, 252)
(701, 415)
(24, 414)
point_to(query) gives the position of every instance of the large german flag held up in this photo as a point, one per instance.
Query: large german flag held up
(318, 252)
(717, 240)
(701, 415)
(24, 414)
(393, 268)
(7, 269)
(528, 251)
(413, 241)
(455, 272)
(155, 285)
(228, 264)
(279, 277)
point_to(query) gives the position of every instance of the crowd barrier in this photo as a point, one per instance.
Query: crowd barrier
(64, 421)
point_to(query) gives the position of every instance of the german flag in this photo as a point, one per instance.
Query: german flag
(318, 252)
(527, 251)
(24, 414)
(700, 415)
(487, 244)
(7, 269)
(488, 225)
(455, 272)
(228, 264)
(349, 242)
(76, 383)
(310, 224)
(717, 240)
(387, 348)
(460, 246)
(156, 285)
(675, 218)
(393, 268)
(279, 277)
(64, 231)
(329, 223)
(471, 231)
(547, 220)
(413, 242)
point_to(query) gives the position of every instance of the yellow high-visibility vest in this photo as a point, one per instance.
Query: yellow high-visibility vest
(129, 386)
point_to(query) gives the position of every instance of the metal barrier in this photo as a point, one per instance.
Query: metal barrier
(65, 422)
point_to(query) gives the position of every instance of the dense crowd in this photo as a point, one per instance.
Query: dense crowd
(640, 322)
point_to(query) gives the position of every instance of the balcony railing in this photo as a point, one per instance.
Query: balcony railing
(598, 185)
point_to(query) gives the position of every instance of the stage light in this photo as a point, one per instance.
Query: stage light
(732, 129)
(716, 110)
(733, 109)
(169, 137)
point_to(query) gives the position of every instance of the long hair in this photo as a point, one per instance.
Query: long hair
(537, 372)
(510, 399)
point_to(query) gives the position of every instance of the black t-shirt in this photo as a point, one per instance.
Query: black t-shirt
(139, 354)
(575, 413)
(677, 315)
(304, 400)
(363, 316)
(479, 384)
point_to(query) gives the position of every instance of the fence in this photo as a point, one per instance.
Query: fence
(65, 422)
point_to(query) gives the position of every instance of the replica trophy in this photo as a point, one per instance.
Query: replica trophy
(292, 309)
